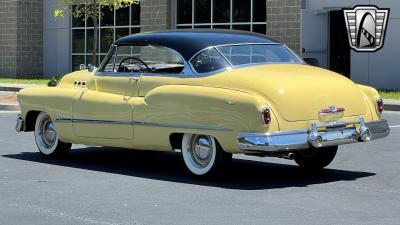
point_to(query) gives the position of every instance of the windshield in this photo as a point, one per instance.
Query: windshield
(259, 54)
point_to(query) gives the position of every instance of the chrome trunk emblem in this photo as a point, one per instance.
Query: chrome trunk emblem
(332, 113)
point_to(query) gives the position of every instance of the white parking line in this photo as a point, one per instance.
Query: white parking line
(9, 112)
(395, 126)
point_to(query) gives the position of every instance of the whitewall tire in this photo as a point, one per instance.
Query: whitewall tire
(202, 154)
(46, 137)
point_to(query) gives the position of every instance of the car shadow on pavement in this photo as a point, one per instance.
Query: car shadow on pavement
(241, 174)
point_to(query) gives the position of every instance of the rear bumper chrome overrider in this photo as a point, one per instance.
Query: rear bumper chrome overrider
(330, 134)
(19, 126)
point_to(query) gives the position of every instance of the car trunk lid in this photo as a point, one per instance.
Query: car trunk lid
(299, 91)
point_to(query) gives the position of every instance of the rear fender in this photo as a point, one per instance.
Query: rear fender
(225, 112)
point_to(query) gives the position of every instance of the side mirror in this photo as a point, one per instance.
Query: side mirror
(90, 68)
(311, 61)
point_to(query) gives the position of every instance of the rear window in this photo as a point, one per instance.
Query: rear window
(259, 54)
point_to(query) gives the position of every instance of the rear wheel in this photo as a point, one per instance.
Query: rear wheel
(203, 155)
(315, 158)
(47, 139)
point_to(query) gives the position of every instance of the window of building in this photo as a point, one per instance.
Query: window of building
(248, 15)
(112, 26)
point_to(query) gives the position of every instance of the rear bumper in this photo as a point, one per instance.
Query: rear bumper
(331, 134)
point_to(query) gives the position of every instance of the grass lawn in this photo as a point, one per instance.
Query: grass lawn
(24, 81)
(389, 94)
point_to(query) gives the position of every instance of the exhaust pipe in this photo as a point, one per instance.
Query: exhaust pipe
(289, 156)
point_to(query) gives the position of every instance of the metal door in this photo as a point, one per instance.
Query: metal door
(314, 35)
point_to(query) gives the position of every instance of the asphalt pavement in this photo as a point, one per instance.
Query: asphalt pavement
(98, 185)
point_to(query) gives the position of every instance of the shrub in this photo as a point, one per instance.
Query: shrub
(54, 81)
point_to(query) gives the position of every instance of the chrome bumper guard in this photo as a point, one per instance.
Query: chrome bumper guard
(330, 134)
(19, 126)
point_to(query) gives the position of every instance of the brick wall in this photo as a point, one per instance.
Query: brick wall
(8, 37)
(283, 22)
(155, 15)
(30, 38)
(21, 38)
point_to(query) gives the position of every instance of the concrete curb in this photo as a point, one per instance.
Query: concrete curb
(9, 107)
(392, 107)
(10, 89)
(17, 87)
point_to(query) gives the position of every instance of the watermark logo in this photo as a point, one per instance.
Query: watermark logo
(366, 27)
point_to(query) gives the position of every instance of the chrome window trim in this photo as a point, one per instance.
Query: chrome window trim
(141, 123)
(294, 53)
(187, 71)
(110, 53)
(211, 72)
(223, 56)
(225, 45)
(238, 66)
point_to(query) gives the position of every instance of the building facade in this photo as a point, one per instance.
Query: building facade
(34, 44)
(21, 38)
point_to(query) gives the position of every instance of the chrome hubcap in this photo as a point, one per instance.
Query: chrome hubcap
(200, 150)
(47, 133)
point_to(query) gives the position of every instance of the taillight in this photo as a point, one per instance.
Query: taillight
(379, 106)
(266, 114)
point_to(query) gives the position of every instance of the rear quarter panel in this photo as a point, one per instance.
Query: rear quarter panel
(370, 96)
(228, 111)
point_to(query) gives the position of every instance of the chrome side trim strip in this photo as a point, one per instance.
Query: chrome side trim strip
(183, 126)
(63, 120)
(140, 123)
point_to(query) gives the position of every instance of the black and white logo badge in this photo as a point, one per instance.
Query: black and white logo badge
(366, 27)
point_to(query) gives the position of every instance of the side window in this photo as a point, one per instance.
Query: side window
(208, 60)
(144, 59)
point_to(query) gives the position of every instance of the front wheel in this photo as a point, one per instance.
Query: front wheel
(203, 155)
(47, 139)
(315, 158)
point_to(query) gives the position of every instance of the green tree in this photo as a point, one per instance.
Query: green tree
(90, 9)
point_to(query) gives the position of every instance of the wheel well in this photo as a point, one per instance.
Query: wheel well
(30, 120)
(176, 140)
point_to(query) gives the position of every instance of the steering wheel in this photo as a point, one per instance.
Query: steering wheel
(120, 64)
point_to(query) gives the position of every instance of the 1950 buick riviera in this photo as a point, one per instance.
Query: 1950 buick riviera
(209, 93)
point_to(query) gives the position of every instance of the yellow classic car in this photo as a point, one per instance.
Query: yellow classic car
(208, 94)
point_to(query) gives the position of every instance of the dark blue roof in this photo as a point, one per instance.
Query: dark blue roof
(188, 41)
